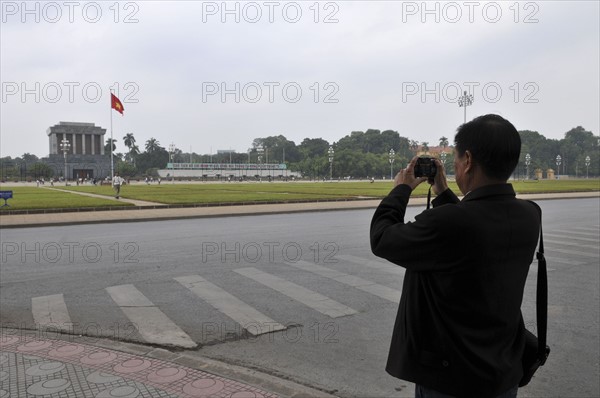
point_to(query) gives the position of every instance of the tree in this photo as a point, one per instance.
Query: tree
(155, 159)
(313, 147)
(40, 170)
(29, 158)
(129, 140)
(126, 169)
(425, 146)
(152, 145)
(107, 145)
(275, 147)
(414, 145)
(443, 142)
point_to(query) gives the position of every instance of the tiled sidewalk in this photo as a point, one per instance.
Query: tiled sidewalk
(31, 367)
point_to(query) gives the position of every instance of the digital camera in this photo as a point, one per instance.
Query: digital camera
(425, 167)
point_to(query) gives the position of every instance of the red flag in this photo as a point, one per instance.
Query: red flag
(116, 104)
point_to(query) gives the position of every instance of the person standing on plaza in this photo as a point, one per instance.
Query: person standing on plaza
(117, 182)
(459, 331)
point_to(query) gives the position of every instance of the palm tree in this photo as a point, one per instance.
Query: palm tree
(414, 145)
(152, 145)
(129, 140)
(443, 142)
(425, 146)
(133, 152)
(107, 145)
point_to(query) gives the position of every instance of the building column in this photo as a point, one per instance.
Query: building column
(83, 143)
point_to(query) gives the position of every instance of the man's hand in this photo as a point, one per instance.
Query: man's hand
(440, 183)
(407, 176)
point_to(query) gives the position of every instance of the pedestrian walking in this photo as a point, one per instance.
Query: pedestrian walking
(117, 182)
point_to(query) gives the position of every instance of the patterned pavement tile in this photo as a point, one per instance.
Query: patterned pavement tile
(32, 367)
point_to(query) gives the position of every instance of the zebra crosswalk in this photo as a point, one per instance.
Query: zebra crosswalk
(152, 324)
(370, 277)
(51, 310)
(228, 304)
(310, 298)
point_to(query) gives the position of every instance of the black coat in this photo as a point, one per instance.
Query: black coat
(459, 328)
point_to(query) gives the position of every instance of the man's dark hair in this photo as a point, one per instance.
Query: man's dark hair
(494, 143)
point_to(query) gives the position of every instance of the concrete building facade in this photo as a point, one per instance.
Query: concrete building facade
(85, 156)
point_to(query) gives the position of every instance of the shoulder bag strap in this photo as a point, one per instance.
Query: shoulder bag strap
(541, 295)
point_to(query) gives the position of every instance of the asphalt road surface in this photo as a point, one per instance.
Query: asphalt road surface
(295, 295)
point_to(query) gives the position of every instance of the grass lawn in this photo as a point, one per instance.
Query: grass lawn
(28, 198)
(184, 193)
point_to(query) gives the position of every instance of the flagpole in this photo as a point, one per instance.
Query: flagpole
(112, 169)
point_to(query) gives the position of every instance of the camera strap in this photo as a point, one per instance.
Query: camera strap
(429, 197)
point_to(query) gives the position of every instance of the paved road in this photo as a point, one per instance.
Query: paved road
(296, 295)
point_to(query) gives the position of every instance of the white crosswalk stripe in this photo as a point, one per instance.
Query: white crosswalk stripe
(376, 289)
(51, 312)
(375, 264)
(311, 299)
(152, 324)
(247, 316)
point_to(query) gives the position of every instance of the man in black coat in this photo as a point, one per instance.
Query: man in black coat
(459, 331)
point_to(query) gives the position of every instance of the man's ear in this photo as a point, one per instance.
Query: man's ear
(468, 161)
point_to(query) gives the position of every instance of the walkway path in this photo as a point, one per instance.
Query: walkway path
(121, 199)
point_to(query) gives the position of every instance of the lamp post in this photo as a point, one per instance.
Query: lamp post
(391, 158)
(527, 163)
(260, 150)
(464, 101)
(171, 157)
(330, 152)
(587, 167)
(65, 145)
(558, 161)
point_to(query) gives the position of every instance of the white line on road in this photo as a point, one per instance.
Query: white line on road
(376, 289)
(575, 244)
(552, 259)
(152, 324)
(577, 253)
(577, 238)
(251, 319)
(312, 299)
(592, 228)
(51, 311)
(572, 234)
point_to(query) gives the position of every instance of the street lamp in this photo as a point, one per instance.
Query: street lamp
(464, 101)
(260, 150)
(391, 158)
(527, 163)
(587, 167)
(171, 157)
(65, 145)
(330, 152)
(558, 161)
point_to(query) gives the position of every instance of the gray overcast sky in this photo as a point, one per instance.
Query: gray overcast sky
(214, 75)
